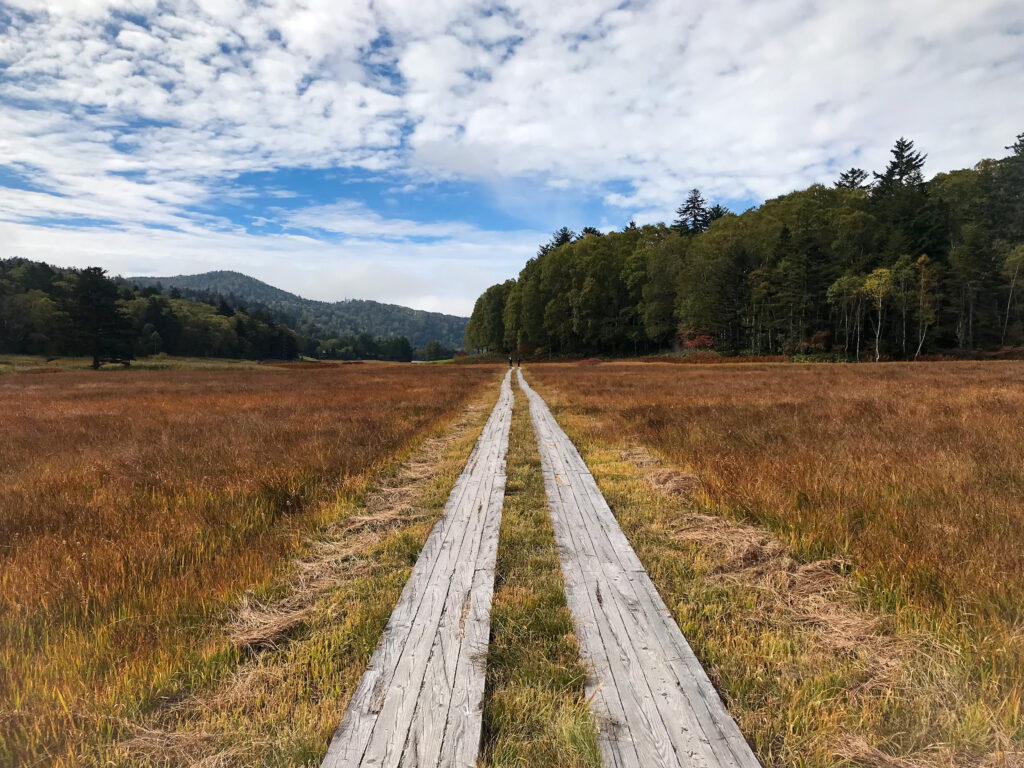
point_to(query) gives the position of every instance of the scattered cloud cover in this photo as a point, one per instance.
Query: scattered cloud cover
(418, 151)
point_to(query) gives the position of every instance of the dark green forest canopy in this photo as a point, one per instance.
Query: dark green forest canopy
(318, 318)
(47, 310)
(877, 264)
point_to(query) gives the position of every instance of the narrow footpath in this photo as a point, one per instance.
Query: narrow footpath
(419, 703)
(655, 704)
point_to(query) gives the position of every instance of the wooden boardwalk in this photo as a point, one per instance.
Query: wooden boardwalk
(655, 704)
(420, 701)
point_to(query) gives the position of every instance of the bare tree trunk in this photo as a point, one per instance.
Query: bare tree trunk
(859, 324)
(970, 324)
(878, 334)
(961, 323)
(1009, 300)
(904, 333)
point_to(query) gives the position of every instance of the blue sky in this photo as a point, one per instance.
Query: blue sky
(416, 152)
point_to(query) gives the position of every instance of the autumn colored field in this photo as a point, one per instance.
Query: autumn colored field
(136, 506)
(843, 544)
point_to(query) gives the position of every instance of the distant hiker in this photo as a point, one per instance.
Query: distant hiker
(510, 361)
(519, 362)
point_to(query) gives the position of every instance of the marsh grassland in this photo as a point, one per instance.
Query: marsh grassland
(196, 564)
(153, 525)
(842, 544)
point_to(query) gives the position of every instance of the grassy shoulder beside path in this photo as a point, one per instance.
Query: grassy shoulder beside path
(535, 709)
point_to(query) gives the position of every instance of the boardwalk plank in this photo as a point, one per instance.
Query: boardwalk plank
(426, 677)
(631, 674)
(671, 713)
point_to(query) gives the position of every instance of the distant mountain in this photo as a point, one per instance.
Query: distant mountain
(318, 318)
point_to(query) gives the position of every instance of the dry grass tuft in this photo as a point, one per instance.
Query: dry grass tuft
(641, 457)
(337, 556)
(259, 627)
(192, 748)
(674, 482)
(818, 597)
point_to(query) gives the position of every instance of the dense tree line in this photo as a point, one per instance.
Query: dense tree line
(877, 264)
(46, 310)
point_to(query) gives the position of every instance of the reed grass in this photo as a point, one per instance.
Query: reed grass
(137, 507)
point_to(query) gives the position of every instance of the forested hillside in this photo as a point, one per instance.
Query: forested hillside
(47, 310)
(877, 264)
(318, 318)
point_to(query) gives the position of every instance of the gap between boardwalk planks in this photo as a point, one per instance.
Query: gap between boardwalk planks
(420, 701)
(655, 704)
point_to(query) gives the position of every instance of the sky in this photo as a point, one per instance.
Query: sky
(417, 151)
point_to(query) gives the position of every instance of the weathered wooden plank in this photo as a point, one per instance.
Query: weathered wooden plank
(654, 655)
(645, 722)
(616, 741)
(462, 731)
(403, 709)
(620, 611)
(628, 601)
(350, 740)
(715, 728)
(674, 716)
(440, 737)
(642, 723)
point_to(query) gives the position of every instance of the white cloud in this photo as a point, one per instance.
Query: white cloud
(136, 111)
(352, 218)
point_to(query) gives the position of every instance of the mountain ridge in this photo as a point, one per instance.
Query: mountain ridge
(349, 316)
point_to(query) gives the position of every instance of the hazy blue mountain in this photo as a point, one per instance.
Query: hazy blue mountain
(325, 318)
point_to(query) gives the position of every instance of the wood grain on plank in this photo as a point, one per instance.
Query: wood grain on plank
(656, 704)
(419, 704)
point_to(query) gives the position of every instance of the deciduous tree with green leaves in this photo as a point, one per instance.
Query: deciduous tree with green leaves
(878, 287)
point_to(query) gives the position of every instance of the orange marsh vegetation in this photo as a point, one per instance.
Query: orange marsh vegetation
(915, 471)
(135, 505)
(911, 474)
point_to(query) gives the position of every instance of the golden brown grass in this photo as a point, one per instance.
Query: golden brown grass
(309, 644)
(841, 544)
(136, 508)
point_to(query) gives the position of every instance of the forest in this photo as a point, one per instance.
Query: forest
(319, 319)
(51, 311)
(877, 265)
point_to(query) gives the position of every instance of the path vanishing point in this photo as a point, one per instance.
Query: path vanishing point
(420, 702)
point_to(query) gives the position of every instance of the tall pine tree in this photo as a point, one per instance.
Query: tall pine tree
(904, 170)
(693, 216)
(100, 322)
(854, 178)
